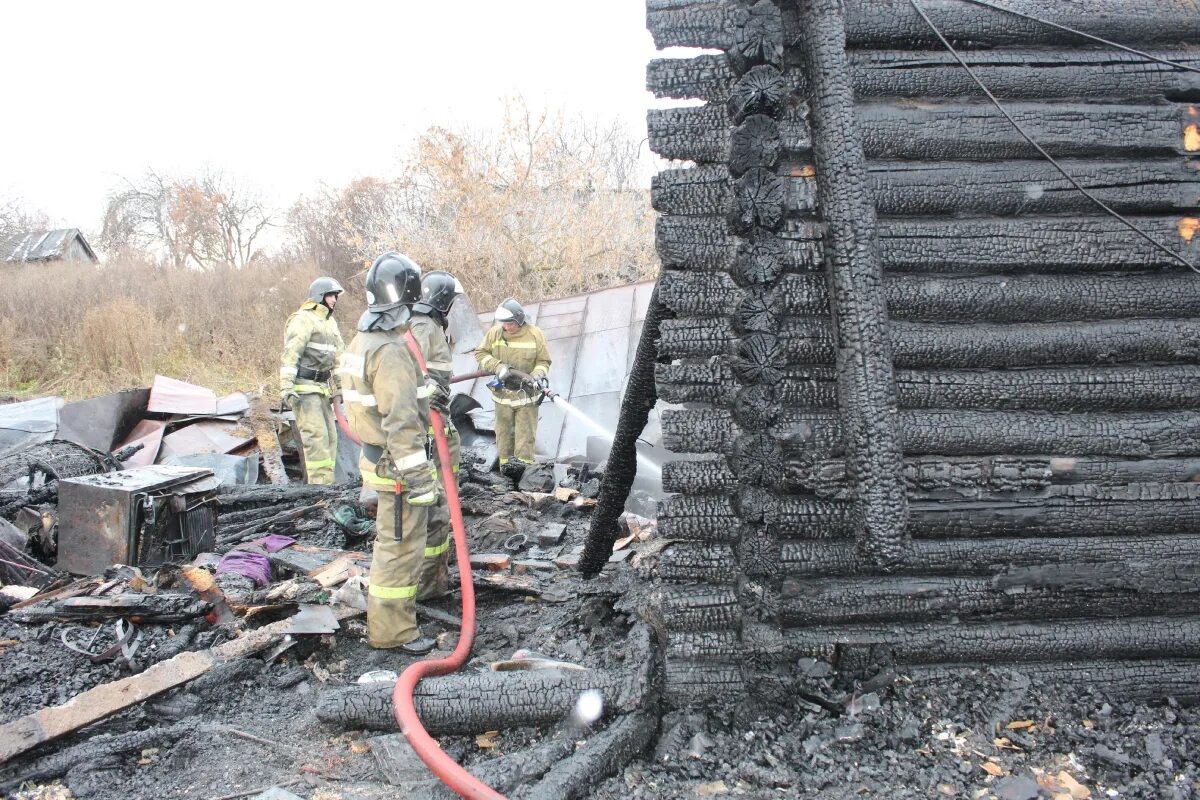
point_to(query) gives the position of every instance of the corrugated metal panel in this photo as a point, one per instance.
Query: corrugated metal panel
(592, 339)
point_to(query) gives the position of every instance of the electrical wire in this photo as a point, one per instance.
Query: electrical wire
(1071, 178)
(1099, 39)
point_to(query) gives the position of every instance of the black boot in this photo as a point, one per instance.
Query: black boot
(419, 646)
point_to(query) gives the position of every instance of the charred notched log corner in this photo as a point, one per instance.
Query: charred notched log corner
(936, 408)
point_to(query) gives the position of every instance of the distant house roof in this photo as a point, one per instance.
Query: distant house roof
(44, 246)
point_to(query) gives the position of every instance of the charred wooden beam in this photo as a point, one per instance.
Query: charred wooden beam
(696, 608)
(863, 358)
(639, 398)
(894, 24)
(1126, 388)
(924, 599)
(1159, 434)
(996, 244)
(817, 559)
(1011, 73)
(947, 132)
(924, 345)
(1002, 188)
(474, 703)
(690, 680)
(937, 476)
(604, 754)
(860, 646)
(690, 562)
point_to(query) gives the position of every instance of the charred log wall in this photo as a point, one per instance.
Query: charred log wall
(939, 410)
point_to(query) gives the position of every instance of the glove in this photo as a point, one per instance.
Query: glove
(288, 397)
(421, 487)
(438, 394)
(514, 378)
(542, 382)
(337, 399)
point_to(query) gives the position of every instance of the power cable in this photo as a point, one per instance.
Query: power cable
(1071, 178)
(1092, 37)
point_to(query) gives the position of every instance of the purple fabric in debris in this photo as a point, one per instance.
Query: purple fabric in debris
(254, 566)
(275, 542)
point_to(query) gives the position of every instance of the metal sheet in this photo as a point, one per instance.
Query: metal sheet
(149, 433)
(609, 309)
(205, 436)
(29, 422)
(602, 362)
(230, 470)
(170, 396)
(101, 422)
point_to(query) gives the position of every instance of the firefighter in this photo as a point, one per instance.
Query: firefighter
(312, 346)
(439, 290)
(382, 383)
(515, 350)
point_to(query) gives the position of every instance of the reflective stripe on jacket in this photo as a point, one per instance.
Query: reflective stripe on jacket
(311, 341)
(380, 379)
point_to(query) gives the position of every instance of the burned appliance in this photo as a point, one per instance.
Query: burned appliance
(141, 517)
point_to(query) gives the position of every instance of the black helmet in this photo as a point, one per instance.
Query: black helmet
(393, 284)
(323, 286)
(510, 311)
(439, 290)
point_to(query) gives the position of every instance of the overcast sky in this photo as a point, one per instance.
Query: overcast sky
(284, 95)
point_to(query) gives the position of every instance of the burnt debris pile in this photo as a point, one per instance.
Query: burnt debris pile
(945, 403)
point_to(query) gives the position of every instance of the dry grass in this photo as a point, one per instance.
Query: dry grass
(79, 331)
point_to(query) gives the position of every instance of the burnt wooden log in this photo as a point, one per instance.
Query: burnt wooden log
(1121, 680)
(1125, 388)
(863, 359)
(1157, 434)
(1149, 592)
(985, 557)
(943, 478)
(639, 398)
(895, 24)
(602, 755)
(689, 562)
(1002, 188)
(474, 703)
(98, 748)
(856, 647)
(695, 608)
(1011, 74)
(926, 345)
(688, 680)
(693, 245)
(947, 132)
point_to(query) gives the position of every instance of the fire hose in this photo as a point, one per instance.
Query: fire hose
(448, 771)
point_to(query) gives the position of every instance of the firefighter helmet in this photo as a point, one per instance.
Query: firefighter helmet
(439, 290)
(510, 311)
(393, 285)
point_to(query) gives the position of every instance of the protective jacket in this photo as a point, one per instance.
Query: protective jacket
(380, 384)
(524, 350)
(312, 346)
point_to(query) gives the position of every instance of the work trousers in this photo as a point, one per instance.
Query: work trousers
(396, 564)
(516, 432)
(318, 435)
(435, 573)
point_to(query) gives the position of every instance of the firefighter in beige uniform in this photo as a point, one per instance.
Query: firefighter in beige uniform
(312, 346)
(515, 350)
(438, 292)
(381, 387)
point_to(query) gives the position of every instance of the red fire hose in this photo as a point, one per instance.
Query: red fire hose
(445, 768)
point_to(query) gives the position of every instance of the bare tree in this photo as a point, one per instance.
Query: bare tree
(202, 222)
(16, 219)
